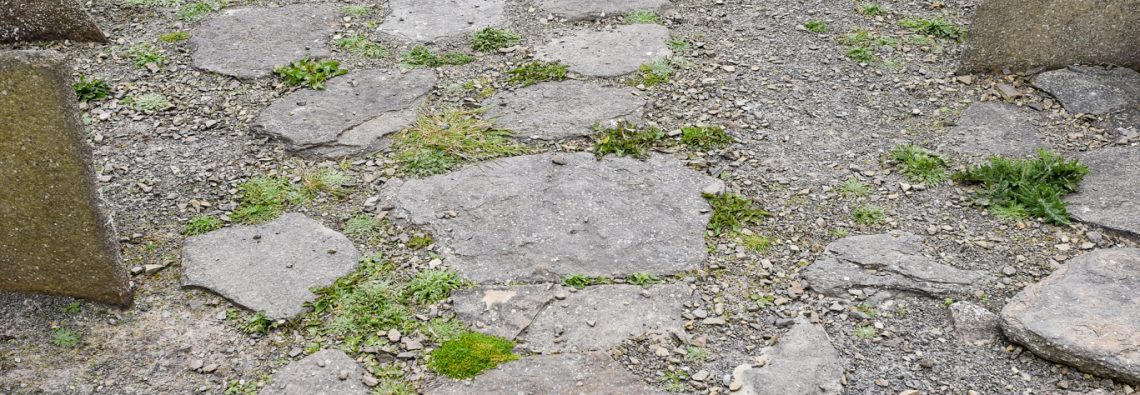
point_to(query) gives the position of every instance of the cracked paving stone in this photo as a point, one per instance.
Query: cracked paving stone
(803, 361)
(611, 52)
(326, 372)
(589, 373)
(991, 128)
(430, 20)
(1109, 196)
(577, 10)
(250, 42)
(1091, 90)
(556, 110)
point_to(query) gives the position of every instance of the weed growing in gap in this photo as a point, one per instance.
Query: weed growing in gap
(674, 381)
(857, 38)
(861, 54)
(431, 286)
(872, 9)
(421, 56)
(363, 226)
(201, 224)
(65, 338)
(73, 307)
(150, 102)
(361, 45)
(438, 143)
(1012, 212)
(309, 72)
(866, 332)
(840, 232)
(469, 354)
(361, 307)
(257, 324)
(696, 354)
(1030, 186)
(919, 164)
(357, 10)
(868, 215)
(579, 281)
(764, 301)
(653, 73)
(678, 44)
(442, 329)
(883, 41)
(641, 16)
(326, 179)
(199, 10)
(868, 309)
(624, 139)
(151, 3)
(756, 243)
(492, 39)
(144, 53)
(265, 198)
(815, 26)
(731, 212)
(853, 188)
(419, 242)
(947, 302)
(936, 27)
(91, 89)
(240, 387)
(173, 37)
(705, 137)
(643, 279)
(535, 72)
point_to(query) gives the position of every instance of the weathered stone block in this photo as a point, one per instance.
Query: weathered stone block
(35, 20)
(53, 236)
(1022, 34)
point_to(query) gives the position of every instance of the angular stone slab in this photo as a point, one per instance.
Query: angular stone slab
(268, 267)
(886, 261)
(430, 20)
(503, 311)
(1086, 314)
(1091, 90)
(528, 219)
(1110, 194)
(250, 42)
(42, 20)
(556, 110)
(319, 374)
(1022, 34)
(991, 128)
(590, 373)
(974, 324)
(609, 53)
(577, 10)
(55, 236)
(350, 116)
(803, 362)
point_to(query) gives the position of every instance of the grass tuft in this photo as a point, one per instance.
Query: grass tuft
(580, 281)
(1017, 187)
(868, 215)
(756, 243)
(145, 53)
(866, 332)
(492, 39)
(440, 142)
(643, 279)
(151, 3)
(173, 37)
(357, 10)
(624, 139)
(361, 307)
(535, 72)
(363, 226)
(854, 188)
(361, 45)
(91, 89)
(201, 224)
(150, 102)
(816, 26)
(872, 9)
(265, 198)
(731, 212)
(313, 73)
(705, 137)
(653, 73)
(431, 286)
(65, 338)
(421, 56)
(936, 27)
(469, 354)
(199, 10)
(678, 44)
(919, 164)
(642, 16)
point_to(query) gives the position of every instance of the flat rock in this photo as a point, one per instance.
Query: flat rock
(528, 219)
(250, 42)
(430, 20)
(611, 52)
(36, 20)
(1110, 195)
(503, 311)
(803, 362)
(268, 267)
(556, 110)
(318, 374)
(974, 324)
(1091, 90)
(352, 114)
(991, 128)
(886, 261)
(1085, 314)
(589, 373)
(577, 10)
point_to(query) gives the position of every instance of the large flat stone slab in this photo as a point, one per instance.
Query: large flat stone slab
(886, 261)
(803, 362)
(556, 110)
(590, 373)
(250, 42)
(430, 20)
(42, 20)
(268, 267)
(991, 128)
(1086, 314)
(503, 311)
(1110, 193)
(577, 10)
(1091, 90)
(611, 52)
(55, 236)
(529, 219)
(352, 114)
(319, 374)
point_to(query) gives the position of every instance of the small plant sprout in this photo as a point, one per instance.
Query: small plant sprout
(469, 354)
(201, 224)
(866, 332)
(872, 9)
(868, 215)
(919, 164)
(696, 354)
(357, 10)
(642, 16)
(624, 139)
(853, 188)
(678, 44)
(419, 242)
(491, 39)
(258, 324)
(861, 54)
(764, 301)
(313, 73)
(173, 37)
(361, 45)
(936, 27)
(654, 73)
(731, 212)
(91, 89)
(643, 279)
(535, 72)
(421, 56)
(143, 54)
(151, 102)
(815, 26)
(705, 137)
(756, 243)
(65, 338)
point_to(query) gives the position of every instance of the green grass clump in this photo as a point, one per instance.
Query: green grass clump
(731, 212)
(1030, 186)
(439, 142)
(815, 26)
(492, 39)
(872, 9)
(201, 224)
(919, 164)
(861, 54)
(696, 354)
(674, 381)
(431, 286)
(756, 243)
(866, 332)
(91, 89)
(624, 139)
(361, 45)
(442, 329)
(361, 307)
(65, 338)
(854, 188)
(705, 137)
(580, 281)
(199, 10)
(936, 27)
(643, 279)
(535, 72)
(678, 44)
(363, 226)
(357, 10)
(258, 324)
(151, 3)
(149, 102)
(419, 242)
(641, 16)
(857, 38)
(421, 56)
(173, 37)
(265, 198)
(142, 54)
(309, 72)
(469, 354)
(653, 73)
(868, 215)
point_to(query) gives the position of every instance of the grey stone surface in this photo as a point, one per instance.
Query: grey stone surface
(1022, 34)
(268, 267)
(503, 311)
(430, 20)
(578, 374)
(611, 52)
(36, 20)
(55, 236)
(555, 110)
(1110, 193)
(991, 128)
(1091, 90)
(529, 219)
(1085, 314)
(886, 261)
(974, 324)
(319, 374)
(352, 114)
(803, 362)
(576, 10)
(250, 42)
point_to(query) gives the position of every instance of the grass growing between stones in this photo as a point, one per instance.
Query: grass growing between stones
(626, 139)
(919, 164)
(653, 73)
(199, 10)
(440, 142)
(431, 286)
(853, 188)
(705, 137)
(91, 89)
(732, 212)
(755, 243)
(173, 37)
(469, 354)
(1015, 188)
(265, 198)
(145, 53)
(201, 224)
(313, 73)
(357, 10)
(492, 39)
(361, 45)
(868, 215)
(580, 281)
(364, 227)
(151, 3)
(642, 16)
(936, 27)
(866, 332)
(421, 56)
(872, 9)
(65, 338)
(816, 26)
(643, 279)
(148, 103)
(535, 72)
(359, 308)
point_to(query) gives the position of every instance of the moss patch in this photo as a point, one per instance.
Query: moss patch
(471, 353)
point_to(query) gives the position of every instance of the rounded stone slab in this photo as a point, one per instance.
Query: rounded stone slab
(350, 116)
(1091, 90)
(1086, 314)
(1110, 193)
(556, 110)
(318, 374)
(991, 128)
(430, 20)
(576, 10)
(609, 53)
(529, 219)
(250, 42)
(590, 373)
(268, 267)
(803, 362)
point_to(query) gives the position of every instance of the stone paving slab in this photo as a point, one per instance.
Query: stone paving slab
(537, 218)
(557, 110)
(36, 20)
(992, 128)
(326, 372)
(431, 20)
(577, 10)
(1091, 90)
(250, 42)
(803, 361)
(608, 53)
(269, 267)
(1110, 194)
(570, 374)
